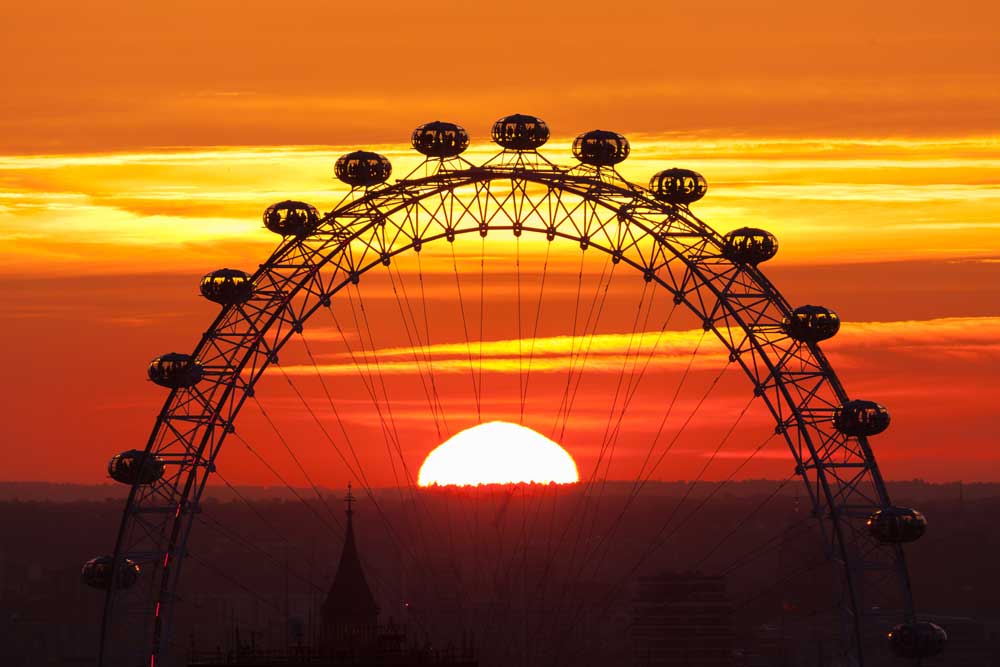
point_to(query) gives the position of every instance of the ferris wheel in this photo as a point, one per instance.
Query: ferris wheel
(650, 233)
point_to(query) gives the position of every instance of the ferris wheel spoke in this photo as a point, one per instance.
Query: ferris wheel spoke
(334, 527)
(253, 508)
(607, 444)
(391, 531)
(807, 569)
(281, 535)
(596, 309)
(373, 368)
(608, 439)
(419, 358)
(417, 503)
(569, 392)
(636, 379)
(794, 530)
(576, 317)
(427, 336)
(639, 480)
(423, 344)
(534, 332)
(393, 432)
(586, 346)
(522, 542)
(364, 374)
(663, 536)
(595, 557)
(429, 358)
(244, 543)
(222, 574)
(476, 386)
(389, 433)
(637, 374)
(390, 437)
(395, 439)
(357, 469)
(742, 522)
(591, 504)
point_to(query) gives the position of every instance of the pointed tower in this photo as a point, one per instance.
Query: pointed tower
(350, 615)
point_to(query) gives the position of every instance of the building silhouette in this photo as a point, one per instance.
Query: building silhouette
(349, 614)
(350, 633)
(682, 620)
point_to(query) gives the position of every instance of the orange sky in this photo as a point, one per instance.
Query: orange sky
(140, 141)
(110, 74)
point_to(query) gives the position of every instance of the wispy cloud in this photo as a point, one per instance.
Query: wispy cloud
(601, 353)
(611, 353)
(949, 333)
(802, 188)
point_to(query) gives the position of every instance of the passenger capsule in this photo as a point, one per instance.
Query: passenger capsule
(600, 148)
(750, 246)
(175, 370)
(99, 573)
(227, 286)
(135, 467)
(861, 418)
(362, 169)
(811, 324)
(917, 640)
(678, 186)
(520, 132)
(291, 218)
(895, 525)
(440, 139)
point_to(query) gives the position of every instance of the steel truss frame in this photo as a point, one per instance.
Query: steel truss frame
(519, 192)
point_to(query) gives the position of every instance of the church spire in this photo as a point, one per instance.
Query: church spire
(349, 603)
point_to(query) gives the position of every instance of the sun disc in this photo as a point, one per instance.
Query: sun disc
(497, 453)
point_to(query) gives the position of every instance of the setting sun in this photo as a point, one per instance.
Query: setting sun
(497, 453)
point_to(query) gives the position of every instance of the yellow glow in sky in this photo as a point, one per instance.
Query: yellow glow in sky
(828, 200)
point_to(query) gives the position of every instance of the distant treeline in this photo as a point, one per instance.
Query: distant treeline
(910, 490)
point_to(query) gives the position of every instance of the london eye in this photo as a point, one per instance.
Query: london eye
(644, 237)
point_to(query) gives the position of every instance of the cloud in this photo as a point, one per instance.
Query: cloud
(949, 334)
(834, 199)
(882, 193)
(605, 353)
(610, 353)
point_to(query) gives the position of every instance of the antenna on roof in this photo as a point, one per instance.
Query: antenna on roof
(350, 500)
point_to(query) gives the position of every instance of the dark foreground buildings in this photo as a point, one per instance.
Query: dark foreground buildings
(682, 620)
(349, 634)
(48, 618)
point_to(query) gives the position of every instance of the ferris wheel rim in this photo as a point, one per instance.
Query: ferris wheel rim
(443, 182)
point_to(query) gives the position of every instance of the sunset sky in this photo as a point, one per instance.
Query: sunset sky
(139, 143)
